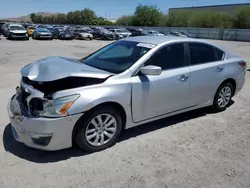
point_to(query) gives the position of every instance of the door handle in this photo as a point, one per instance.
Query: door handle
(219, 69)
(183, 78)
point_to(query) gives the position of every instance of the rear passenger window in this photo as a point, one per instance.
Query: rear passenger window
(202, 53)
(168, 57)
(219, 54)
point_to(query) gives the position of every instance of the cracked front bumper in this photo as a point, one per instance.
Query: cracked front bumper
(38, 132)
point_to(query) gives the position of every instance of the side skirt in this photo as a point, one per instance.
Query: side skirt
(131, 124)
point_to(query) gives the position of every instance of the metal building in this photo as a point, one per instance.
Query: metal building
(226, 8)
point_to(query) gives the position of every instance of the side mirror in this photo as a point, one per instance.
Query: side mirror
(151, 70)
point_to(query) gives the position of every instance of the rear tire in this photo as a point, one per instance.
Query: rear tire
(103, 135)
(223, 97)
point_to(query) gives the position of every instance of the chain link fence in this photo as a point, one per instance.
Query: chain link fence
(206, 33)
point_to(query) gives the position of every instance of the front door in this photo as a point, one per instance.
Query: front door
(154, 96)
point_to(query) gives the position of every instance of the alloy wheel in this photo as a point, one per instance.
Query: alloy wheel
(224, 96)
(101, 129)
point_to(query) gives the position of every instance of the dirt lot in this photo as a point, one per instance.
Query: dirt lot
(195, 149)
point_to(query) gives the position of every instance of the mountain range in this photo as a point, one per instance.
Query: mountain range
(27, 17)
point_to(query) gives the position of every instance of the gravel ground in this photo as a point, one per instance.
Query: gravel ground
(195, 149)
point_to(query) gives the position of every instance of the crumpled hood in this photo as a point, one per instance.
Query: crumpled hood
(55, 68)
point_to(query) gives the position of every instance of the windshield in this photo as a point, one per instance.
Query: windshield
(120, 30)
(67, 31)
(123, 30)
(16, 27)
(42, 30)
(117, 56)
(51, 29)
(82, 31)
(144, 32)
(88, 29)
(41, 26)
(104, 30)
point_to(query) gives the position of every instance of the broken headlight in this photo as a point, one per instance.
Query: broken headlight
(52, 108)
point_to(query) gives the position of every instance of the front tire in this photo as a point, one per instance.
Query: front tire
(223, 97)
(98, 129)
(10, 37)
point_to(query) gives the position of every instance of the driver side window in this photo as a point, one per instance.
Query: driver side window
(169, 57)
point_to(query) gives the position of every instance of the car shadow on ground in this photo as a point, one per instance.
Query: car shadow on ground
(38, 156)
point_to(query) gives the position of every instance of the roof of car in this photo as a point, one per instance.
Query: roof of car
(159, 39)
(15, 25)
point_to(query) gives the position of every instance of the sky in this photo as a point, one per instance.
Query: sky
(111, 9)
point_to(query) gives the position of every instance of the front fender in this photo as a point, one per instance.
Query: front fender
(92, 96)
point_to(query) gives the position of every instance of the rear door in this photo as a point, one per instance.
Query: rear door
(207, 71)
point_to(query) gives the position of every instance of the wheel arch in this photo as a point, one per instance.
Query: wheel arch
(115, 105)
(230, 80)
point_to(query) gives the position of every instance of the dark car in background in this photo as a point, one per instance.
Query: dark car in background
(52, 30)
(137, 32)
(26, 25)
(1, 24)
(178, 34)
(4, 29)
(42, 33)
(121, 33)
(103, 34)
(42, 26)
(61, 33)
(187, 34)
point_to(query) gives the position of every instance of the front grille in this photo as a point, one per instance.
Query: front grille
(19, 34)
(45, 35)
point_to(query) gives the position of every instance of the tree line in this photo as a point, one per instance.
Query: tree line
(79, 17)
(150, 15)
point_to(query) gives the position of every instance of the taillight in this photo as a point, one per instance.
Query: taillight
(243, 64)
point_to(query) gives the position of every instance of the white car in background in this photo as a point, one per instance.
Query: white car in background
(155, 33)
(121, 33)
(82, 33)
(16, 31)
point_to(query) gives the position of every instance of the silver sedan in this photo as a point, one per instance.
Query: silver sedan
(127, 83)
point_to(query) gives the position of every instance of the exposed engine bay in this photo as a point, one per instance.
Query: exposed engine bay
(48, 88)
(36, 104)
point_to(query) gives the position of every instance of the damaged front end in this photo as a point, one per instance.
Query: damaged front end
(44, 77)
(50, 87)
(39, 101)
